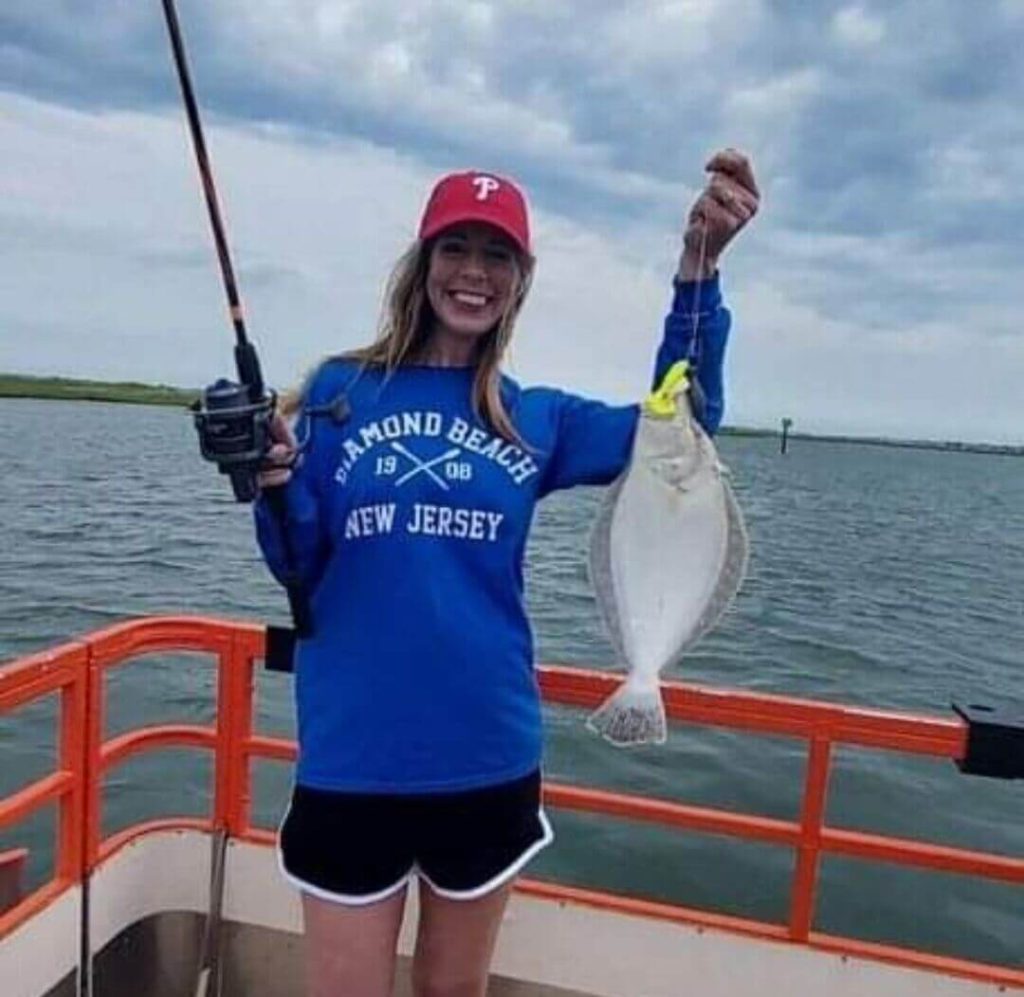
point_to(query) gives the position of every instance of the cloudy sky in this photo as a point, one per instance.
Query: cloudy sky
(878, 291)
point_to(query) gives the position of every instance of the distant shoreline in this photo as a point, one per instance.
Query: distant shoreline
(75, 389)
(949, 446)
(135, 393)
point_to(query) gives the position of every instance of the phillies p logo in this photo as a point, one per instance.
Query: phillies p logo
(485, 186)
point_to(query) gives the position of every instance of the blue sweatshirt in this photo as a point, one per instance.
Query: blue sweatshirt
(407, 525)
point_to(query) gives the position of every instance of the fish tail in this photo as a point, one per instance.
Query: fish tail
(633, 715)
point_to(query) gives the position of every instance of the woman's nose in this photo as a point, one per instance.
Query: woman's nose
(474, 264)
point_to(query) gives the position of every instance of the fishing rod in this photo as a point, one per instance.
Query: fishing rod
(232, 418)
(233, 422)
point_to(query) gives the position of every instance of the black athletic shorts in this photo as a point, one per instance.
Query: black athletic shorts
(358, 848)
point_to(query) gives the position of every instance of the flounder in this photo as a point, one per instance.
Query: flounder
(667, 555)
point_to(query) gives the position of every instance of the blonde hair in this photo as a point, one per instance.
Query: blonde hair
(405, 326)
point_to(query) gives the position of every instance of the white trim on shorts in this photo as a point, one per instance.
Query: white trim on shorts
(504, 876)
(364, 900)
(349, 900)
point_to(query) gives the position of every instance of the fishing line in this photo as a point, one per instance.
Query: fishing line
(698, 400)
(701, 259)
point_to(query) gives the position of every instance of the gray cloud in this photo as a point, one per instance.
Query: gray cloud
(571, 95)
(603, 107)
(888, 139)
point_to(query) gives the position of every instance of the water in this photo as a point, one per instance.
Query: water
(883, 577)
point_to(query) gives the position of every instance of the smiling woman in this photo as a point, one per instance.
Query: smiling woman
(454, 297)
(407, 514)
(470, 283)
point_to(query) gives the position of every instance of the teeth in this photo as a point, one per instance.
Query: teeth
(464, 298)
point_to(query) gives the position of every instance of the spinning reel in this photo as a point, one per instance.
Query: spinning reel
(233, 423)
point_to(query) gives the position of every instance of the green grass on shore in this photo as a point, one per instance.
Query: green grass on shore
(74, 389)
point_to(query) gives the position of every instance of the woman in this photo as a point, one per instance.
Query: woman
(407, 516)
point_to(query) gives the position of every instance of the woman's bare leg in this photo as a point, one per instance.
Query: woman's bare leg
(455, 942)
(350, 951)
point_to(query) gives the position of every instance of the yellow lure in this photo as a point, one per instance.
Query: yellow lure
(661, 402)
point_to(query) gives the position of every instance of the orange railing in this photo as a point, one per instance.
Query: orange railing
(77, 670)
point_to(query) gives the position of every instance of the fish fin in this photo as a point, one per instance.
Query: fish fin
(633, 715)
(600, 567)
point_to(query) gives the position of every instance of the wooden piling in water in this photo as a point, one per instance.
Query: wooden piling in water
(786, 423)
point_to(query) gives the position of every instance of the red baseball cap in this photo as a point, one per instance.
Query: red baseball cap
(477, 197)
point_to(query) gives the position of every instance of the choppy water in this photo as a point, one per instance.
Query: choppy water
(885, 577)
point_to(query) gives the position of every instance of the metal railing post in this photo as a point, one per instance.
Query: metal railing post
(234, 730)
(808, 859)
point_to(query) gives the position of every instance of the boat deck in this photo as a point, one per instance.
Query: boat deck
(499, 986)
(159, 957)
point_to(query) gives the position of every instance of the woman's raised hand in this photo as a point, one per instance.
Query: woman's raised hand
(277, 463)
(728, 201)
